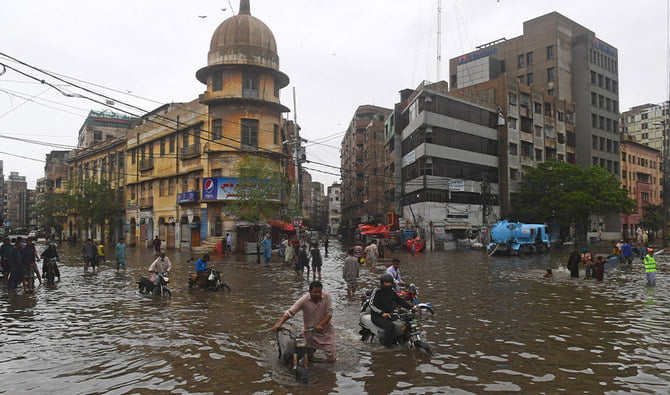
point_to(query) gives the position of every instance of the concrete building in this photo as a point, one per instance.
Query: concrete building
(449, 163)
(103, 125)
(334, 211)
(16, 202)
(556, 63)
(645, 124)
(363, 162)
(641, 176)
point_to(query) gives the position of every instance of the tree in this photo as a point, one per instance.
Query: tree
(52, 210)
(95, 202)
(653, 218)
(260, 192)
(568, 194)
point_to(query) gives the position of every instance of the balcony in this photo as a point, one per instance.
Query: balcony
(146, 164)
(145, 202)
(190, 151)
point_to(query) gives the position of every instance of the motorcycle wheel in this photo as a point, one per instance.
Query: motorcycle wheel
(165, 292)
(424, 346)
(301, 374)
(217, 285)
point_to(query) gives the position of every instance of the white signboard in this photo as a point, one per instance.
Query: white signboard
(409, 158)
(457, 185)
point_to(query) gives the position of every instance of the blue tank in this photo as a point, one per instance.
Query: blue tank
(518, 238)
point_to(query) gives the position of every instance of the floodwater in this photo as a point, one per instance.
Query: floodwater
(499, 327)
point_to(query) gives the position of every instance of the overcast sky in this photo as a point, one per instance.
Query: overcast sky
(338, 55)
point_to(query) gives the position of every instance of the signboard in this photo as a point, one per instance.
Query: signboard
(402, 223)
(409, 158)
(438, 233)
(476, 55)
(187, 197)
(297, 222)
(225, 188)
(457, 185)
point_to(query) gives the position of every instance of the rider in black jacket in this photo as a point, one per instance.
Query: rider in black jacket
(382, 304)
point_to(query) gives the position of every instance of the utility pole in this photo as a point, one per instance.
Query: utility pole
(439, 38)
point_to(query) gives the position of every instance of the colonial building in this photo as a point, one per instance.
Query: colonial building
(103, 125)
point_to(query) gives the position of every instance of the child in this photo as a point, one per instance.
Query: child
(549, 274)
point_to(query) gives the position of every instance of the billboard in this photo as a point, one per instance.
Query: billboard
(225, 188)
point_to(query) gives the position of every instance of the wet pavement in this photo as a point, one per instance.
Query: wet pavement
(499, 326)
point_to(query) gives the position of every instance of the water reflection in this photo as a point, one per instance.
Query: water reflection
(499, 326)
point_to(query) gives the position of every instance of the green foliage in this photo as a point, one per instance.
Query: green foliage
(52, 210)
(567, 194)
(652, 218)
(95, 202)
(260, 191)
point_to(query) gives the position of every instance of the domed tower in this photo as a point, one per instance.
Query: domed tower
(243, 83)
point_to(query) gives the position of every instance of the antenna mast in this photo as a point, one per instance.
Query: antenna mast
(439, 38)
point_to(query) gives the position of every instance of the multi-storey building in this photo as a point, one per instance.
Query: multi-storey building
(16, 198)
(334, 212)
(363, 163)
(641, 176)
(449, 161)
(645, 124)
(103, 125)
(101, 161)
(556, 65)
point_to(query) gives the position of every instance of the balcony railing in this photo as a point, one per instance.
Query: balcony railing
(190, 151)
(146, 202)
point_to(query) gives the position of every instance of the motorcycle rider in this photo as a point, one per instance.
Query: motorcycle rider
(161, 265)
(202, 269)
(382, 304)
(48, 254)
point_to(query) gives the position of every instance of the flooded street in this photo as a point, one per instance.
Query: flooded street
(499, 326)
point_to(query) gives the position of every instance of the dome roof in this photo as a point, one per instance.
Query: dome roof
(243, 39)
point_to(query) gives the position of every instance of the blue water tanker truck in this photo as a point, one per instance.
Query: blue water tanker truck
(516, 238)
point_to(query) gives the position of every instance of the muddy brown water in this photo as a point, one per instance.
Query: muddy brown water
(499, 327)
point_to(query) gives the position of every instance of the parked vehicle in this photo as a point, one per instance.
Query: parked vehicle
(517, 238)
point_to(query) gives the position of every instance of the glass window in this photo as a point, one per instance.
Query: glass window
(250, 85)
(529, 78)
(550, 52)
(217, 129)
(529, 58)
(217, 81)
(519, 60)
(249, 134)
(551, 74)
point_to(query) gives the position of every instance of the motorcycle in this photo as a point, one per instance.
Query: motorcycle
(411, 295)
(406, 333)
(294, 351)
(50, 270)
(211, 281)
(146, 286)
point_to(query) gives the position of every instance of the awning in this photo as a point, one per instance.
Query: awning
(382, 229)
(282, 225)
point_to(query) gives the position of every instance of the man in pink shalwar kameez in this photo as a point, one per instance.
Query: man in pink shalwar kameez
(317, 312)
